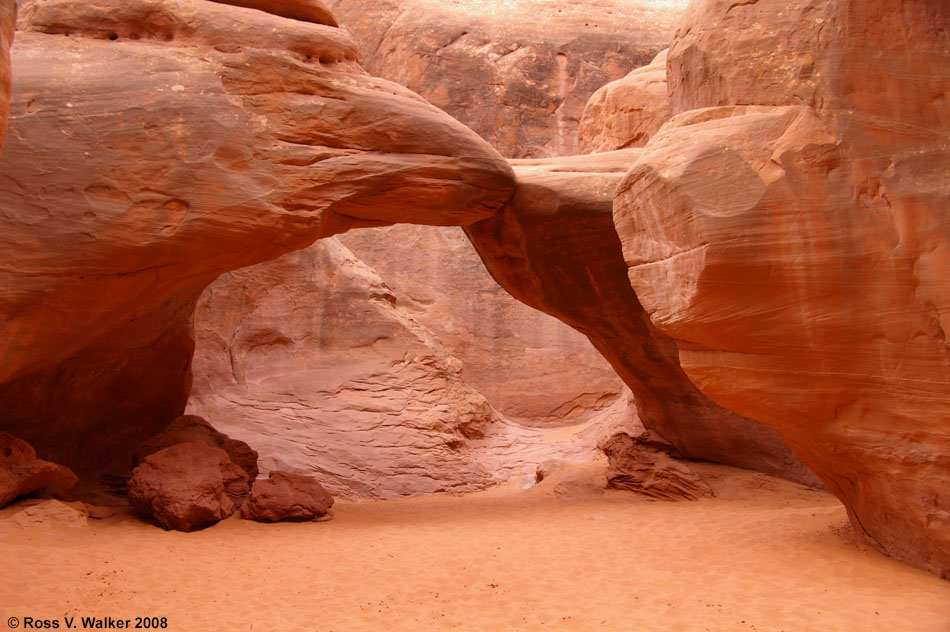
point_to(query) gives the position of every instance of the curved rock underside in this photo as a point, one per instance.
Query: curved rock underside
(518, 72)
(312, 360)
(788, 228)
(191, 139)
(304, 10)
(533, 369)
(555, 248)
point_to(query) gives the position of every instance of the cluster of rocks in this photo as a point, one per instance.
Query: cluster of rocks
(190, 476)
(187, 477)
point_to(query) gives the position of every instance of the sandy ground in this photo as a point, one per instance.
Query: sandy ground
(765, 555)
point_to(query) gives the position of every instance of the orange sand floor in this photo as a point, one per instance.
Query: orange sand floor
(764, 555)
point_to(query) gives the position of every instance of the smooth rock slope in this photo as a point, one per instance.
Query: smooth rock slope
(789, 229)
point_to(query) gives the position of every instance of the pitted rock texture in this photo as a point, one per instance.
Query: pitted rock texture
(788, 228)
(555, 248)
(626, 112)
(191, 138)
(187, 486)
(22, 473)
(531, 368)
(646, 465)
(193, 428)
(518, 72)
(286, 496)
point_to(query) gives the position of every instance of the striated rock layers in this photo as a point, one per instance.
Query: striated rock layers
(192, 138)
(518, 72)
(554, 247)
(789, 229)
(532, 368)
(646, 465)
(7, 23)
(309, 359)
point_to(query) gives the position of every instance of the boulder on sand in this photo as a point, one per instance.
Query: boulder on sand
(187, 486)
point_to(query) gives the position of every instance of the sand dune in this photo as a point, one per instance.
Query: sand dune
(765, 555)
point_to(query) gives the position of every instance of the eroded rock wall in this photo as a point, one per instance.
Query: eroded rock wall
(191, 139)
(315, 361)
(531, 368)
(7, 24)
(626, 112)
(555, 248)
(310, 359)
(788, 228)
(518, 72)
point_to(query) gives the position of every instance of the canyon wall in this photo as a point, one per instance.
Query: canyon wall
(7, 24)
(314, 361)
(518, 72)
(788, 228)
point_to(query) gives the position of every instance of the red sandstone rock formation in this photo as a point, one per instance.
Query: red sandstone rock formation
(191, 138)
(788, 228)
(22, 473)
(555, 248)
(7, 23)
(518, 72)
(310, 359)
(286, 496)
(318, 364)
(193, 428)
(531, 368)
(304, 10)
(187, 486)
(47, 515)
(626, 112)
(646, 465)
